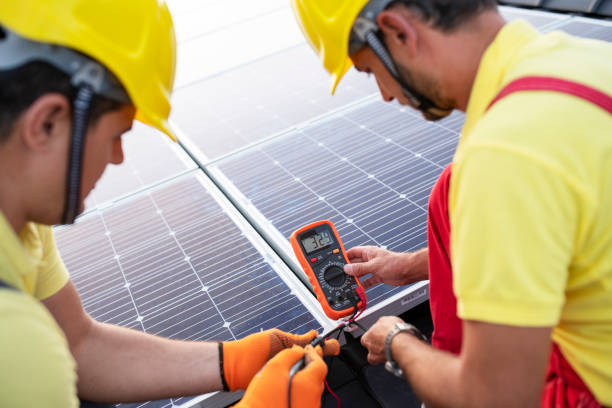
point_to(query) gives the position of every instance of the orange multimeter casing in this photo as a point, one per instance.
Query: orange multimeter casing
(322, 256)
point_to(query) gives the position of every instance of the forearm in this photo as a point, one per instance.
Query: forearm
(434, 375)
(415, 265)
(501, 366)
(118, 364)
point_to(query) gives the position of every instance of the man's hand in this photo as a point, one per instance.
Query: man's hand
(243, 358)
(392, 268)
(374, 339)
(270, 387)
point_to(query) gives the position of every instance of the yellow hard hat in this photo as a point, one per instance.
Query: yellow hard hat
(327, 25)
(133, 39)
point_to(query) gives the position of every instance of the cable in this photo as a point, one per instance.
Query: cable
(332, 393)
(352, 320)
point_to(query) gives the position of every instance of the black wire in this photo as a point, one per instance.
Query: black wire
(417, 99)
(359, 325)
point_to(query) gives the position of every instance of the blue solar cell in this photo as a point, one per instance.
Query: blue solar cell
(171, 262)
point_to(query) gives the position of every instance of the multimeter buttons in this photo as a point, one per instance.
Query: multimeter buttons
(334, 275)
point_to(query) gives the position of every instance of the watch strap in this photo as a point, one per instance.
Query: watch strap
(399, 327)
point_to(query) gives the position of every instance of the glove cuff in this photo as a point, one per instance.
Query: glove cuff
(221, 368)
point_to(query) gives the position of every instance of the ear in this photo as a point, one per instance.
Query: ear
(399, 30)
(46, 121)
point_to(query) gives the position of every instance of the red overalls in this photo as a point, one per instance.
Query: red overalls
(563, 387)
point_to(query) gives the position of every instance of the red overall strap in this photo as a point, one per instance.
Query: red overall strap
(543, 83)
(447, 332)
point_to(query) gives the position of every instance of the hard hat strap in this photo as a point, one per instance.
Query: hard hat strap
(80, 116)
(416, 99)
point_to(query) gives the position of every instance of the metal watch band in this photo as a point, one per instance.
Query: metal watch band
(391, 365)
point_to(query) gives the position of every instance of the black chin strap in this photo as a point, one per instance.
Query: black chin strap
(417, 100)
(81, 107)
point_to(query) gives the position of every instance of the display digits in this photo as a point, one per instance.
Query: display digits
(322, 256)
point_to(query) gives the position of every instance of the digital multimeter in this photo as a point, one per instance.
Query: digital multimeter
(322, 256)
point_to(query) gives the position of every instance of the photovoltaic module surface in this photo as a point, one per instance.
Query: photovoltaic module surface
(170, 262)
(260, 99)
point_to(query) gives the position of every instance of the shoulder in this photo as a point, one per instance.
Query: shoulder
(38, 369)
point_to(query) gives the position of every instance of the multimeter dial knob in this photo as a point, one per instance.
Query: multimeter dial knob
(334, 275)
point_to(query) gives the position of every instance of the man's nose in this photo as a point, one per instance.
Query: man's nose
(117, 155)
(387, 97)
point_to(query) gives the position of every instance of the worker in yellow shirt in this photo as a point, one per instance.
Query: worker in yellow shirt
(522, 219)
(73, 76)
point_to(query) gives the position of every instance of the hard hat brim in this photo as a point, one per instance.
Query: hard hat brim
(337, 76)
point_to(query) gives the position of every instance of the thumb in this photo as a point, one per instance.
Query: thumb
(357, 269)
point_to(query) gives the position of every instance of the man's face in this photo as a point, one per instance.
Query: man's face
(103, 146)
(365, 60)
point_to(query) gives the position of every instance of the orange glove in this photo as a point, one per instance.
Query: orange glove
(270, 387)
(242, 359)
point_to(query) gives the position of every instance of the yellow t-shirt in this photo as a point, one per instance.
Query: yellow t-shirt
(530, 199)
(37, 367)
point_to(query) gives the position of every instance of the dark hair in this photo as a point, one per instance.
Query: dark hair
(447, 15)
(20, 87)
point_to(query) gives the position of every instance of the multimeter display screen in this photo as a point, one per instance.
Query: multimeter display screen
(317, 241)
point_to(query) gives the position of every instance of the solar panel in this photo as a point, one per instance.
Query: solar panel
(542, 20)
(194, 19)
(149, 159)
(596, 7)
(245, 105)
(589, 28)
(170, 261)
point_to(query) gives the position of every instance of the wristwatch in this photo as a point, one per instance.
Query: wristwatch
(391, 365)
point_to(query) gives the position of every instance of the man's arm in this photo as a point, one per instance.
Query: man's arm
(501, 366)
(119, 364)
(392, 268)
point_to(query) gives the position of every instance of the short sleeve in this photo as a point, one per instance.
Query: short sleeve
(53, 274)
(513, 223)
(37, 367)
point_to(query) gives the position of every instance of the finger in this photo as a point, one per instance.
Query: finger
(330, 348)
(358, 269)
(307, 385)
(315, 369)
(280, 340)
(360, 253)
(284, 360)
(303, 339)
(375, 359)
